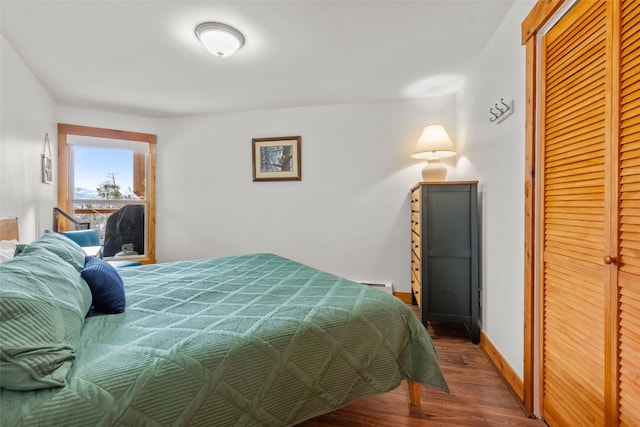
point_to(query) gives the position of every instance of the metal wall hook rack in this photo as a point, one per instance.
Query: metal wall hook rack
(501, 111)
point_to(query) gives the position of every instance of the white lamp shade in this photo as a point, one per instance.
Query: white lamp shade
(434, 142)
(219, 39)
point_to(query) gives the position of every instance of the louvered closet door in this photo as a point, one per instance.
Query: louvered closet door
(573, 132)
(629, 220)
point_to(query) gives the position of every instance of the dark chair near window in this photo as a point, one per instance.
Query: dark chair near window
(125, 227)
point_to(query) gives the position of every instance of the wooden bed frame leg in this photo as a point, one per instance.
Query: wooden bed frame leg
(414, 392)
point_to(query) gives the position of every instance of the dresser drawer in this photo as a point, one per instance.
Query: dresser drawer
(415, 243)
(415, 222)
(415, 264)
(415, 199)
(416, 288)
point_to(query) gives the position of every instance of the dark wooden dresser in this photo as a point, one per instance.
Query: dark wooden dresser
(444, 252)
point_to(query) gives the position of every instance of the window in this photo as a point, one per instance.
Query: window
(107, 179)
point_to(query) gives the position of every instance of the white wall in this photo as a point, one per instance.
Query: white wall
(349, 214)
(28, 113)
(494, 154)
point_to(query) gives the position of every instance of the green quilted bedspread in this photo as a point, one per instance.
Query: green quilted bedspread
(236, 341)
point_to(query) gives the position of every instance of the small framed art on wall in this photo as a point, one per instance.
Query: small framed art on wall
(277, 159)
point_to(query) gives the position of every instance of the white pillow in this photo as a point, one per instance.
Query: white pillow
(7, 249)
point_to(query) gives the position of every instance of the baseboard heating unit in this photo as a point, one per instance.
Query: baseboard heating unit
(384, 287)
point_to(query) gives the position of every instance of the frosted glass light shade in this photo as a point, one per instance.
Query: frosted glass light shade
(434, 143)
(220, 39)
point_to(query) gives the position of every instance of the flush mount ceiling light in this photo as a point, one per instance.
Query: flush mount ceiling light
(220, 39)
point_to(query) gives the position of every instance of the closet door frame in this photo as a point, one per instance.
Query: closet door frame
(533, 27)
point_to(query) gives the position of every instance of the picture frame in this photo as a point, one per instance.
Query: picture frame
(47, 161)
(47, 169)
(277, 158)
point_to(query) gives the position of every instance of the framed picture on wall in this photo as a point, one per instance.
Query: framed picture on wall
(277, 159)
(47, 169)
(47, 161)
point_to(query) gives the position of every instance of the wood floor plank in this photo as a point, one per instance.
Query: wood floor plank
(478, 395)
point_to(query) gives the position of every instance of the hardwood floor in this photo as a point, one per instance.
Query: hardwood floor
(478, 395)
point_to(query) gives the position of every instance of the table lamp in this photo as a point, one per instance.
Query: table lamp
(434, 144)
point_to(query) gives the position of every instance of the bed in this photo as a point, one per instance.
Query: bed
(255, 339)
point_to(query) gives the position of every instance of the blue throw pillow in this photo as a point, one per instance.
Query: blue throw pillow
(106, 285)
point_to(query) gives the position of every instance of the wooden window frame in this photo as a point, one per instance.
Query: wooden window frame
(63, 173)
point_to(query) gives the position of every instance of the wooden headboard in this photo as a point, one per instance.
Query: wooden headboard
(9, 228)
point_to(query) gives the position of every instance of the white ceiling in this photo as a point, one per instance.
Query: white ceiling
(142, 57)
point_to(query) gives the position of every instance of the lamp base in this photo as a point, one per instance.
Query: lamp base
(434, 171)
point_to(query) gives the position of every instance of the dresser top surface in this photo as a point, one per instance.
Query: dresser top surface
(442, 183)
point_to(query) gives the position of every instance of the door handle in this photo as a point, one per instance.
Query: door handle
(608, 259)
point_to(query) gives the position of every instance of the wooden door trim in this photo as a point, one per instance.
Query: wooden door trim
(537, 17)
(533, 23)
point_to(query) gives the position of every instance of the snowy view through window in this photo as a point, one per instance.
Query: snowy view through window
(101, 174)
